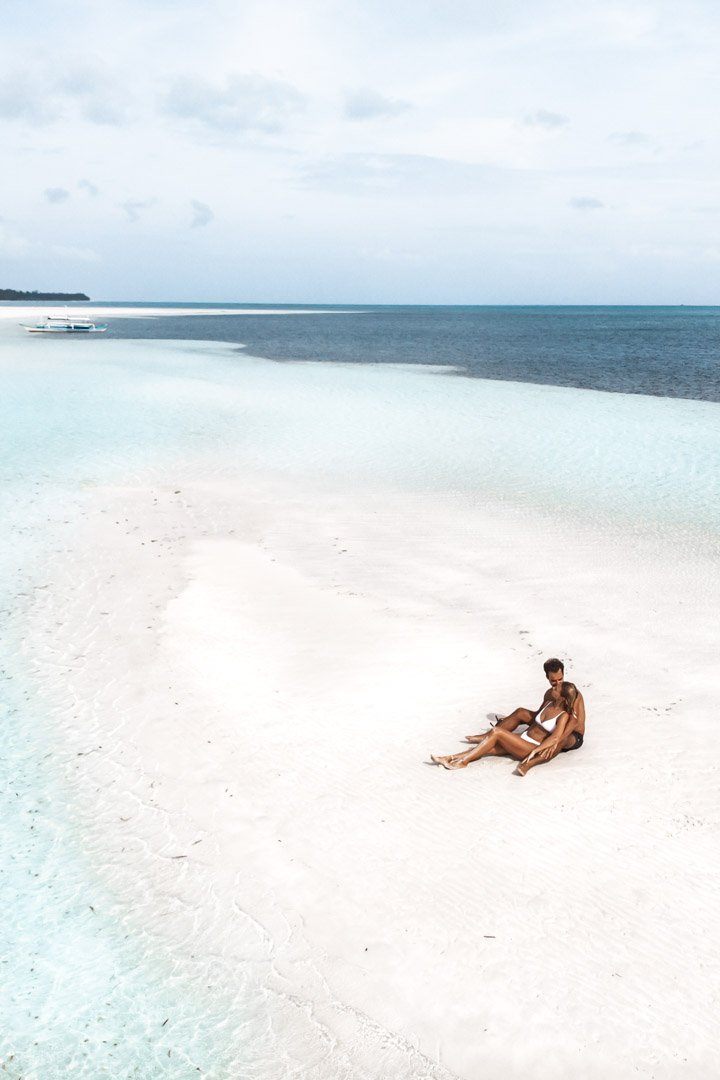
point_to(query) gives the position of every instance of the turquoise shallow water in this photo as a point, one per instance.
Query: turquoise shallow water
(89, 998)
(81, 999)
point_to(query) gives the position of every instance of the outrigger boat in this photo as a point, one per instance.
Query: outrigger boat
(65, 324)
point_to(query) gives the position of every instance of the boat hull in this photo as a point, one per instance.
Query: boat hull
(65, 329)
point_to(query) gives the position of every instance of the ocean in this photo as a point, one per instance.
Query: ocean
(659, 351)
(607, 417)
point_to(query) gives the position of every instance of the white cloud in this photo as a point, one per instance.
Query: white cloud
(369, 104)
(56, 194)
(24, 100)
(100, 97)
(202, 215)
(47, 97)
(135, 207)
(394, 173)
(240, 103)
(545, 118)
(630, 138)
(586, 202)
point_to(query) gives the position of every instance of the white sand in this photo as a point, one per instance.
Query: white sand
(38, 310)
(260, 670)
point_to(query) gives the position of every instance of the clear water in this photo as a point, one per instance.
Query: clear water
(83, 996)
(78, 998)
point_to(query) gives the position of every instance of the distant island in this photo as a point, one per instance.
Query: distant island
(18, 294)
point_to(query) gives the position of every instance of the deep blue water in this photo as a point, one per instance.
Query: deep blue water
(662, 351)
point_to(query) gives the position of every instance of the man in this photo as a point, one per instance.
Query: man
(570, 736)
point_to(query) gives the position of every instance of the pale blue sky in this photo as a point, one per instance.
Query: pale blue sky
(342, 151)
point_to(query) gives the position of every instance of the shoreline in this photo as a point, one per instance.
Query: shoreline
(318, 652)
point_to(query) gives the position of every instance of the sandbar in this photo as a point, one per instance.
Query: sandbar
(262, 667)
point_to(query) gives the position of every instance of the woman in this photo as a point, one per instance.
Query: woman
(549, 723)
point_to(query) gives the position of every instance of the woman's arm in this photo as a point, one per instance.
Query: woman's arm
(549, 747)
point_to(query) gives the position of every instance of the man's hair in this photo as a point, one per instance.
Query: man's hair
(553, 664)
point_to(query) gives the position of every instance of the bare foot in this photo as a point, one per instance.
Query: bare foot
(521, 768)
(477, 738)
(448, 762)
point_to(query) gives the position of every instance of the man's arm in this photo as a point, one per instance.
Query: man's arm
(579, 713)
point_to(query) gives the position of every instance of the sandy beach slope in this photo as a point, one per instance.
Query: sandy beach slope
(248, 676)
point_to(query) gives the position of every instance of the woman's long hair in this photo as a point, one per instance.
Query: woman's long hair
(569, 692)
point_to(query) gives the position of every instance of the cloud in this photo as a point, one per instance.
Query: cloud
(360, 172)
(584, 202)
(44, 100)
(86, 185)
(368, 104)
(630, 138)
(56, 194)
(101, 99)
(134, 207)
(544, 118)
(379, 173)
(202, 215)
(103, 112)
(244, 103)
(22, 99)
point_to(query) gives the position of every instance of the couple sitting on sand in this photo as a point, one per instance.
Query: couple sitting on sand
(556, 727)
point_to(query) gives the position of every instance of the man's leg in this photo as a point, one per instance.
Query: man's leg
(507, 723)
(515, 718)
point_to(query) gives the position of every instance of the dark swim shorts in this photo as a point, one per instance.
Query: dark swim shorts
(578, 743)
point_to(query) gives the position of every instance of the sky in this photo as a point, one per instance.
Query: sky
(333, 151)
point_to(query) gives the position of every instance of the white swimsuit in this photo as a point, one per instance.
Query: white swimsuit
(548, 726)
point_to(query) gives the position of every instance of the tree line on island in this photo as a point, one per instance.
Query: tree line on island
(18, 294)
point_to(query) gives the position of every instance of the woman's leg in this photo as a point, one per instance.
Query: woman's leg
(497, 743)
(514, 745)
(459, 761)
(524, 767)
(568, 743)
